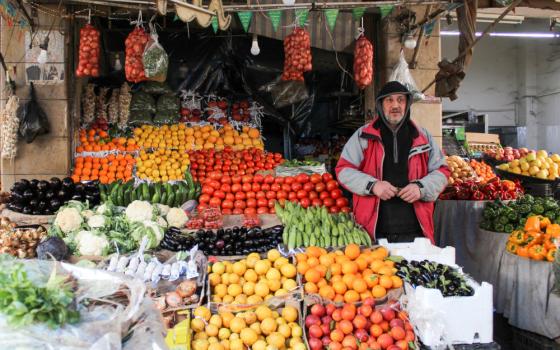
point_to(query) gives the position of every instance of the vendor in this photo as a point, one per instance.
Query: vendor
(395, 171)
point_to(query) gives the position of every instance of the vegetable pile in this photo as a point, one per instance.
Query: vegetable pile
(460, 170)
(501, 217)
(25, 302)
(538, 240)
(535, 164)
(316, 227)
(506, 154)
(99, 231)
(363, 62)
(484, 171)
(297, 55)
(46, 197)
(493, 189)
(428, 274)
(134, 49)
(19, 242)
(346, 326)
(297, 163)
(88, 54)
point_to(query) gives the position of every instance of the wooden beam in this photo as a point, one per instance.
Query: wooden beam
(536, 4)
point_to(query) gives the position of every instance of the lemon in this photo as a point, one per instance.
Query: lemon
(281, 261)
(221, 290)
(259, 345)
(299, 346)
(239, 268)
(233, 278)
(228, 299)
(249, 288)
(276, 339)
(202, 312)
(212, 330)
(285, 330)
(250, 276)
(226, 318)
(218, 268)
(289, 284)
(197, 325)
(261, 267)
(273, 274)
(241, 299)
(273, 254)
(248, 336)
(294, 341)
(200, 344)
(288, 270)
(224, 333)
(261, 289)
(268, 325)
(250, 317)
(263, 312)
(254, 300)
(280, 292)
(237, 324)
(216, 320)
(200, 335)
(290, 313)
(256, 327)
(274, 285)
(297, 331)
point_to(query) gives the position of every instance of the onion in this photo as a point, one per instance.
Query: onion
(88, 52)
(173, 299)
(186, 288)
(363, 62)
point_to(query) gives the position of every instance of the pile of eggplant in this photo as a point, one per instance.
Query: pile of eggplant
(224, 242)
(428, 274)
(40, 197)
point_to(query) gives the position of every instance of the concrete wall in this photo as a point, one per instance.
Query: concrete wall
(48, 155)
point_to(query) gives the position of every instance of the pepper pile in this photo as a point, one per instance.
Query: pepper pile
(539, 240)
(501, 217)
(493, 189)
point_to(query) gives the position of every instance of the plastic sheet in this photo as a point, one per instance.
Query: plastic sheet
(33, 120)
(402, 74)
(101, 327)
(285, 93)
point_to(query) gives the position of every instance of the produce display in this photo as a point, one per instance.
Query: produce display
(484, 171)
(483, 147)
(535, 164)
(230, 163)
(99, 140)
(428, 274)
(40, 197)
(316, 227)
(538, 240)
(297, 55)
(298, 163)
(107, 169)
(103, 229)
(363, 62)
(492, 189)
(506, 154)
(162, 165)
(501, 217)
(88, 52)
(134, 50)
(259, 329)
(252, 280)
(19, 242)
(348, 275)
(366, 327)
(460, 170)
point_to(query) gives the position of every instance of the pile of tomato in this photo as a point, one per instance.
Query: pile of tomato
(230, 162)
(246, 194)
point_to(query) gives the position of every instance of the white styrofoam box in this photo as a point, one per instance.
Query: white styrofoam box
(421, 249)
(443, 320)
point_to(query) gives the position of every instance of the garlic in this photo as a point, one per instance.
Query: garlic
(9, 128)
(88, 103)
(101, 104)
(124, 104)
(113, 109)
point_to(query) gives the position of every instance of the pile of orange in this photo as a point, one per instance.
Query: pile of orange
(97, 140)
(107, 170)
(347, 276)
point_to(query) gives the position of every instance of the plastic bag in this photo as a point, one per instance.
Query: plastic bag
(156, 88)
(102, 326)
(285, 93)
(155, 60)
(402, 74)
(33, 120)
(167, 109)
(142, 108)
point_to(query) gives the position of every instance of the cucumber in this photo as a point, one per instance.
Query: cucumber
(163, 198)
(134, 195)
(292, 237)
(145, 190)
(171, 200)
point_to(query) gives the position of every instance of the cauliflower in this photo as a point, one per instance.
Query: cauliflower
(177, 217)
(91, 244)
(103, 209)
(68, 220)
(161, 221)
(138, 211)
(96, 221)
(163, 209)
(148, 228)
(87, 213)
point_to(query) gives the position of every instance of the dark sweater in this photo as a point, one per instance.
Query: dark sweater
(395, 215)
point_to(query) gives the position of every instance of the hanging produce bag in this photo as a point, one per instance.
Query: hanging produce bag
(142, 108)
(88, 53)
(297, 55)
(155, 60)
(167, 109)
(363, 62)
(33, 120)
(402, 74)
(9, 128)
(135, 44)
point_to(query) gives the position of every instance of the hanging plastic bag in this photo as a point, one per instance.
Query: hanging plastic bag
(167, 109)
(135, 44)
(155, 59)
(142, 108)
(33, 120)
(402, 74)
(285, 93)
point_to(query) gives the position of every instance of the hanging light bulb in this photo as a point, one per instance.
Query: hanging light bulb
(43, 55)
(255, 49)
(410, 42)
(289, 2)
(118, 64)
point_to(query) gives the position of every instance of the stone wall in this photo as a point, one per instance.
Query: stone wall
(48, 155)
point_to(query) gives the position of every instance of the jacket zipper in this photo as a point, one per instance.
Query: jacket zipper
(380, 170)
(409, 156)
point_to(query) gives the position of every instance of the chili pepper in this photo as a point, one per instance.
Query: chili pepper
(508, 185)
(473, 187)
(537, 252)
(537, 209)
(477, 195)
(489, 189)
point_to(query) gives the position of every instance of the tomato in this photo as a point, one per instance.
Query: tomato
(301, 194)
(202, 207)
(313, 195)
(316, 202)
(315, 178)
(302, 178)
(204, 198)
(258, 178)
(239, 204)
(265, 187)
(260, 194)
(230, 197)
(262, 202)
(236, 179)
(227, 204)
(215, 202)
(275, 187)
(236, 188)
(328, 202)
(240, 196)
(292, 196)
(262, 210)
(216, 176)
(220, 194)
(335, 194)
(226, 211)
(289, 180)
(206, 189)
(308, 186)
(269, 179)
(332, 185)
(327, 177)
(334, 209)
(215, 184)
(345, 209)
(324, 195)
(320, 187)
(305, 202)
(246, 187)
(341, 202)
(256, 187)
(247, 179)
(296, 186)
(251, 203)
(225, 188)
(282, 195)
(271, 203)
(237, 211)
(279, 180)
(251, 194)
(271, 195)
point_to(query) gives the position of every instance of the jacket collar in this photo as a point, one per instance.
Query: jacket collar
(372, 131)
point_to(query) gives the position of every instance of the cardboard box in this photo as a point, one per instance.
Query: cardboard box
(478, 143)
(421, 249)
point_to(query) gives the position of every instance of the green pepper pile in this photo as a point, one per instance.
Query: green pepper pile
(506, 217)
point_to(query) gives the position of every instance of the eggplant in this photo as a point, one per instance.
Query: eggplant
(33, 184)
(55, 184)
(78, 197)
(79, 188)
(27, 210)
(34, 203)
(40, 195)
(42, 205)
(49, 195)
(28, 194)
(91, 199)
(36, 212)
(47, 211)
(67, 182)
(16, 197)
(63, 195)
(42, 186)
(220, 244)
(22, 184)
(55, 204)
(91, 186)
(17, 207)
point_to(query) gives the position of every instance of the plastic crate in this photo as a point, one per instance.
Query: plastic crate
(525, 340)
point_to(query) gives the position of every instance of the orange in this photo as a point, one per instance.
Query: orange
(339, 287)
(349, 267)
(302, 267)
(348, 280)
(380, 253)
(365, 295)
(312, 275)
(359, 285)
(313, 251)
(386, 270)
(339, 298)
(362, 263)
(327, 292)
(372, 280)
(312, 261)
(386, 282)
(397, 281)
(351, 296)
(376, 265)
(311, 288)
(322, 269)
(326, 260)
(378, 292)
(340, 258)
(322, 282)
(336, 269)
(352, 251)
(336, 278)
(389, 263)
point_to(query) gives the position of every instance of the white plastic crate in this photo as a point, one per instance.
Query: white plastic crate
(441, 321)
(421, 249)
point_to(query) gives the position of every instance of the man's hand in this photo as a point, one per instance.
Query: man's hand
(384, 190)
(411, 193)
